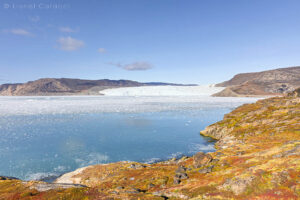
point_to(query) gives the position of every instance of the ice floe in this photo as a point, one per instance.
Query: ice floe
(98, 104)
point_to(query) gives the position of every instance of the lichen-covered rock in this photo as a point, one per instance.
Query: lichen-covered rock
(180, 174)
(206, 170)
(180, 169)
(42, 186)
(280, 177)
(136, 166)
(201, 159)
(237, 185)
(151, 185)
(295, 93)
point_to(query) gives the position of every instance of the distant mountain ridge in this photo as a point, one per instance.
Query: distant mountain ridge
(68, 86)
(270, 82)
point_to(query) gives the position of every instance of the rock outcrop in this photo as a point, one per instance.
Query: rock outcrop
(201, 159)
(295, 93)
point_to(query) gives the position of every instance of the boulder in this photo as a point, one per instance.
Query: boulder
(136, 166)
(42, 186)
(206, 170)
(181, 176)
(237, 185)
(120, 188)
(150, 185)
(201, 159)
(133, 191)
(295, 93)
(180, 169)
(177, 181)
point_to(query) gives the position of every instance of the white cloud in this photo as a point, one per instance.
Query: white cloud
(69, 43)
(18, 31)
(135, 66)
(67, 30)
(102, 50)
(138, 66)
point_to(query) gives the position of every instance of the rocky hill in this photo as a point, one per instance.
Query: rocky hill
(65, 86)
(271, 82)
(257, 157)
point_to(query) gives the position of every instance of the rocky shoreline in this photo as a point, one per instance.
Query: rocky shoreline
(257, 157)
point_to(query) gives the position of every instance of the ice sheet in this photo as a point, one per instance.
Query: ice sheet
(163, 91)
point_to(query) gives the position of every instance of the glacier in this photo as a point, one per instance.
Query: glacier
(201, 90)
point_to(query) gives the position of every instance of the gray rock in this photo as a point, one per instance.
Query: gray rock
(114, 192)
(132, 192)
(136, 166)
(237, 185)
(151, 185)
(206, 170)
(180, 169)
(120, 188)
(43, 186)
(177, 181)
(201, 159)
(181, 176)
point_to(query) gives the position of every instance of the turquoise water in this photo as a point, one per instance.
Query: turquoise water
(36, 145)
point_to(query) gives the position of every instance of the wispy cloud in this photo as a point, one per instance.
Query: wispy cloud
(34, 18)
(102, 50)
(69, 43)
(67, 30)
(18, 31)
(135, 66)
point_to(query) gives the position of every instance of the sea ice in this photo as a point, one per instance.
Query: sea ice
(98, 104)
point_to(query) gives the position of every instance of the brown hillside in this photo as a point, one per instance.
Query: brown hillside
(271, 82)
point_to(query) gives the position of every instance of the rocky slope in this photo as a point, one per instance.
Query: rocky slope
(271, 82)
(295, 93)
(65, 86)
(257, 157)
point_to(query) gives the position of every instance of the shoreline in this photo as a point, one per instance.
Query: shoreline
(257, 157)
(161, 160)
(225, 141)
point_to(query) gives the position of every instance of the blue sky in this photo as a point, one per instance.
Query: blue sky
(182, 41)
